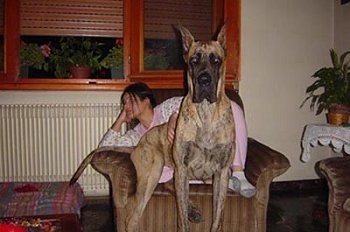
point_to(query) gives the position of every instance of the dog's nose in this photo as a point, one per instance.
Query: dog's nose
(204, 80)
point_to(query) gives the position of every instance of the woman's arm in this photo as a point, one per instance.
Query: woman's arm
(113, 138)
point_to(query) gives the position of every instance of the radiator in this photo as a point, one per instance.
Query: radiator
(48, 142)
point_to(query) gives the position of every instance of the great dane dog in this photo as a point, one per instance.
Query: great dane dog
(203, 146)
(204, 137)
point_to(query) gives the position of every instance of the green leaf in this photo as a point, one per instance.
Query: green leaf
(334, 58)
(343, 56)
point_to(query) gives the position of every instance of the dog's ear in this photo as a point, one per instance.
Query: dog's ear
(187, 38)
(222, 37)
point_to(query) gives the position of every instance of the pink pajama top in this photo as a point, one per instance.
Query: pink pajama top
(162, 113)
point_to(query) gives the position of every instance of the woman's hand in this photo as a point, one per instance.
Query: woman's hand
(122, 117)
(171, 127)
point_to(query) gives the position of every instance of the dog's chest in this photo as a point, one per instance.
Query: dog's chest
(203, 162)
(215, 125)
(212, 142)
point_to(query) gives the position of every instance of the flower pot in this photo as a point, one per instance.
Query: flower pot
(80, 72)
(117, 72)
(337, 119)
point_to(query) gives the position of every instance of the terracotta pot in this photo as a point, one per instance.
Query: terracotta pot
(337, 118)
(80, 72)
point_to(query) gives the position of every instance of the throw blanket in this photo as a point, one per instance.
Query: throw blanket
(40, 198)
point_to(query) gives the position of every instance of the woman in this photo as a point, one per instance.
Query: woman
(139, 103)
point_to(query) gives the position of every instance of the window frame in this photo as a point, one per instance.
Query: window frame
(133, 52)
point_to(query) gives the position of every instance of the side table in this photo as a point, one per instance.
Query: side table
(325, 134)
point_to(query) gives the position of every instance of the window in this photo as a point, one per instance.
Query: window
(162, 47)
(151, 52)
(153, 21)
(1, 35)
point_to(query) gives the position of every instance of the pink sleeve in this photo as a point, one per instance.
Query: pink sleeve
(241, 135)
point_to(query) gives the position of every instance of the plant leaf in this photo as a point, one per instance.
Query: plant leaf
(334, 58)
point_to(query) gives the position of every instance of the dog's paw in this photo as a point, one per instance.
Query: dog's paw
(194, 215)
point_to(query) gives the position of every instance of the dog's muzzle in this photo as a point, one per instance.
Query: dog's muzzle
(204, 80)
(204, 88)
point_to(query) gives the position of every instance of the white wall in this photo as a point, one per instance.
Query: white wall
(342, 27)
(283, 43)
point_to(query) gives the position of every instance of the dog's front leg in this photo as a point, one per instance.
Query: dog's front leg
(182, 189)
(138, 202)
(220, 182)
(148, 159)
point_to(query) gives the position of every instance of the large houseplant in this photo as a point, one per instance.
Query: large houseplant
(76, 53)
(331, 88)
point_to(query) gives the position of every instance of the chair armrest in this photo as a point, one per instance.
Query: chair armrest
(337, 172)
(115, 164)
(263, 164)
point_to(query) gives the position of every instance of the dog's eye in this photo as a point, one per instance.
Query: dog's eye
(194, 60)
(214, 59)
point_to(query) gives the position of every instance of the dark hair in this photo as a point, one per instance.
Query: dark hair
(141, 90)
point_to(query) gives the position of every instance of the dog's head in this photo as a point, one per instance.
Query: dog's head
(206, 65)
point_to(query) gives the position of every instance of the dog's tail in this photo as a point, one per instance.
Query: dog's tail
(116, 165)
(102, 159)
(82, 167)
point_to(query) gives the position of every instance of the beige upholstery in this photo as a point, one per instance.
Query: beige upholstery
(241, 214)
(337, 172)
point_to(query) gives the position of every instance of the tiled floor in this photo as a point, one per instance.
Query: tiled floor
(298, 207)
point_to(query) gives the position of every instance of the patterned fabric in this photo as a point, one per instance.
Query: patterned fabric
(19, 224)
(42, 198)
(325, 134)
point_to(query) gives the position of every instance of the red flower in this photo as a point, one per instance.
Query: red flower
(45, 50)
(119, 42)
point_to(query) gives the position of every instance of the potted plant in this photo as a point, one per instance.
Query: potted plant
(77, 56)
(114, 60)
(59, 62)
(155, 62)
(331, 89)
(34, 56)
(156, 58)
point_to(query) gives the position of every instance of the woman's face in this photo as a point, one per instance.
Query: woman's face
(133, 106)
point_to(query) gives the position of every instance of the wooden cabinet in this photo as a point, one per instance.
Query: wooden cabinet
(144, 23)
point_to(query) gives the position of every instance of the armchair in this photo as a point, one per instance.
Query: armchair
(337, 172)
(263, 164)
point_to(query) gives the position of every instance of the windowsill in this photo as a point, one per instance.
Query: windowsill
(85, 84)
